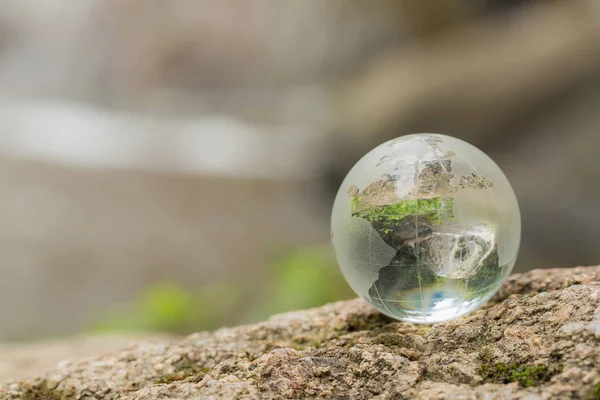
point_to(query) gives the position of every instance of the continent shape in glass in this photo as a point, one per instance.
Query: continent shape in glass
(426, 228)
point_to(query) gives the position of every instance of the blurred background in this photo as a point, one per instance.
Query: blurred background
(171, 165)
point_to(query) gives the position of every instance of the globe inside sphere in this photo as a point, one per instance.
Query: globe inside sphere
(426, 228)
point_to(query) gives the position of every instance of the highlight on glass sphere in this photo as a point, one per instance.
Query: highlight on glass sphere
(426, 228)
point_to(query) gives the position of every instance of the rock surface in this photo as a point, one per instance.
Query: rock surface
(537, 340)
(20, 360)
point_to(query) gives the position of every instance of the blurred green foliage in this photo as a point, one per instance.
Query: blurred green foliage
(169, 307)
(301, 278)
(295, 279)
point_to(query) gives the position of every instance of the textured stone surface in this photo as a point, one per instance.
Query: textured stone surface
(537, 340)
(19, 360)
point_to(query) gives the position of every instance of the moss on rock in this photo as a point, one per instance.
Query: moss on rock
(43, 393)
(594, 393)
(361, 355)
(436, 209)
(195, 375)
(526, 375)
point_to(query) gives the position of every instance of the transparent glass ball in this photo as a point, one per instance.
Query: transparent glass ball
(426, 228)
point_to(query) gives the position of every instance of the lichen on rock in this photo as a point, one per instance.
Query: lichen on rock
(537, 340)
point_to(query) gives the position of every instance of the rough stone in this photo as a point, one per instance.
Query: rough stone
(19, 360)
(538, 339)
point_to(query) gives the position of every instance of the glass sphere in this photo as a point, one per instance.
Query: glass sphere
(426, 228)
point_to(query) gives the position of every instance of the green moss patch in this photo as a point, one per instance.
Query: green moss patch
(303, 342)
(489, 274)
(594, 394)
(357, 323)
(526, 375)
(435, 209)
(391, 340)
(187, 372)
(42, 392)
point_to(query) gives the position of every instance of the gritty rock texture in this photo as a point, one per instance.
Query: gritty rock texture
(19, 360)
(539, 339)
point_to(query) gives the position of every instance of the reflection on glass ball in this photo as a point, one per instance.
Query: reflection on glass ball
(426, 228)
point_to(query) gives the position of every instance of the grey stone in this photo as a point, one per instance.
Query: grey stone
(536, 340)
